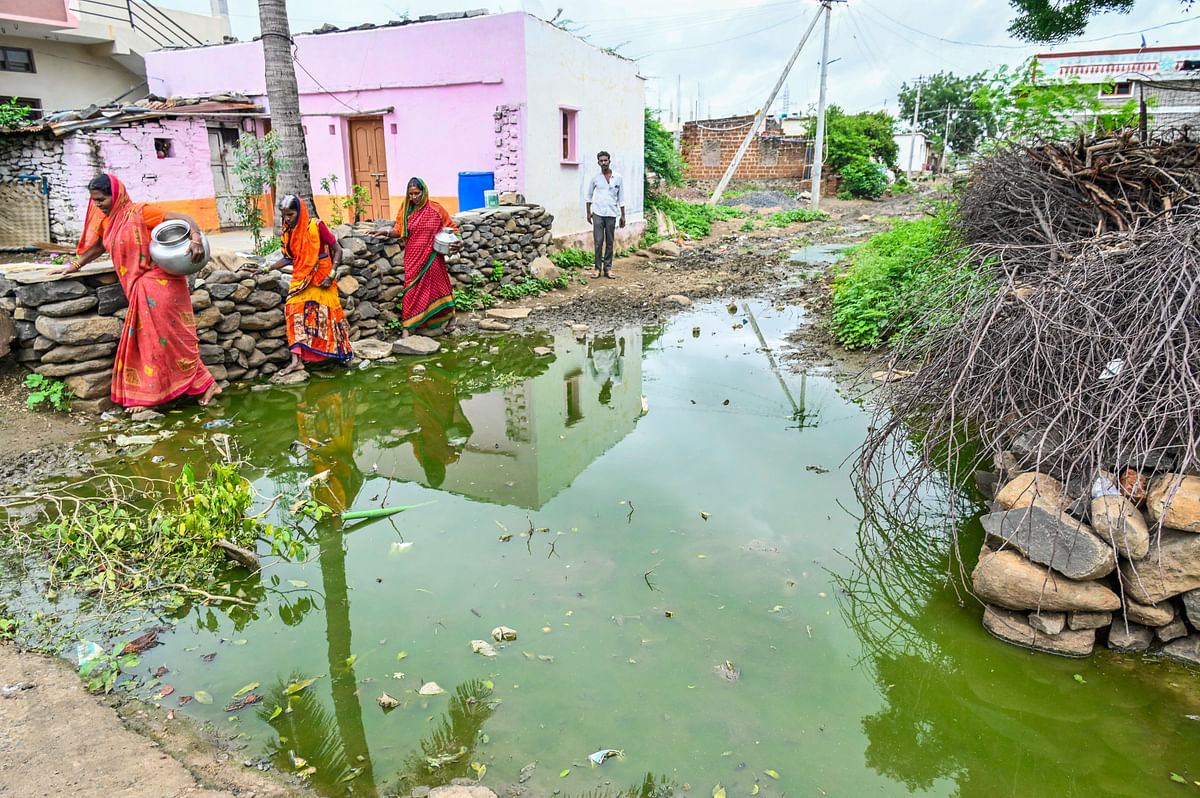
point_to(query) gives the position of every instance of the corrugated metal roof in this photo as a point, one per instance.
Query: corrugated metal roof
(62, 123)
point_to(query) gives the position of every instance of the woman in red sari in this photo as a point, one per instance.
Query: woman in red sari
(158, 358)
(316, 323)
(428, 299)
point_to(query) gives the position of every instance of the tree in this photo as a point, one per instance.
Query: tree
(661, 155)
(284, 96)
(946, 97)
(1022, 108)
(1056, 21)
(866, 135)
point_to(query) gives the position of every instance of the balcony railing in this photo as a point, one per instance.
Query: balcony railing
(149, 20)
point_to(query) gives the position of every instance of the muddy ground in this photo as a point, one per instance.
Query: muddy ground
(56, 739)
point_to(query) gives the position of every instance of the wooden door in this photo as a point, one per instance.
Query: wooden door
(221, 143)
(368, 164)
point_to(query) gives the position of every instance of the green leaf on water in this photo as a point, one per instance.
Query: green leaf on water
(1079, 678)
(489, 684)
(350, 660)
(719, 791)
(754, 789)
(402, 655)
(296, 687)
(1177, 778)
(771, 773)
(278, 711)
(565, 773)
(245, 689)
(297, 583)
(202, 696)
(240, 642)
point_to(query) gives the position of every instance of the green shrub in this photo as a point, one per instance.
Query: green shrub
(784, 218)
(47, 390)
(880, 292)
(471, 297)
(863, 178)
(572, 259)
(747, 226)
(692, 218)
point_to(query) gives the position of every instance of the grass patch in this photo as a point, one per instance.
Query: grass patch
(784, 218)
(879, 293)
(692, 218)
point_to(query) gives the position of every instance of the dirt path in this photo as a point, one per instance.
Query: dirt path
(56, 739)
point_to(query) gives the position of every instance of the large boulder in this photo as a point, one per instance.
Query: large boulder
(1149, 614)
(1051, 538)
(78, 330)
(1014, 627)
(1186, 649)
(1007, 579)
(1024, 489)
(1115, 519)
(1172, 567)
(544, 269)
(1174, 500)
(666, 248)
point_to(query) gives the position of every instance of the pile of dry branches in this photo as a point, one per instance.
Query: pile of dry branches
(1080, 349)
(1064, 192)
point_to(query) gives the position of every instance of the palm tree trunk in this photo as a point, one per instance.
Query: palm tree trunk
(293, 176)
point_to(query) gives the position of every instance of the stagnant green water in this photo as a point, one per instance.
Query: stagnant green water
(719, 526)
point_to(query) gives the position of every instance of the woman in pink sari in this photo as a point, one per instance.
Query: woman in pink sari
(158, 358)
(428, 299)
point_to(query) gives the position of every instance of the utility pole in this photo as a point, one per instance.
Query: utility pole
(761, 114)
(912, 136)
(946, 141)
(819, 145)
(679, 100)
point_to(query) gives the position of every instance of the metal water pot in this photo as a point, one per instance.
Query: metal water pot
(169, 244)
(443, 240)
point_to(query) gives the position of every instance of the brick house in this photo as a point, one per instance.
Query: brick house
(774, 159)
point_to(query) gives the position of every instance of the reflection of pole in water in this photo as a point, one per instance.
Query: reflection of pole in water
(797, 409)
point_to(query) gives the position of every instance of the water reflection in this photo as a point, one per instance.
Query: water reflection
(448, 751)
(519, 442)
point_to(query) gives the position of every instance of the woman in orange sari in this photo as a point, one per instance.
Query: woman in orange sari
(428, 299)
(316, 324)
(158, 358)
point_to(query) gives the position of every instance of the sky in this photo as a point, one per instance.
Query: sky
(728, 55)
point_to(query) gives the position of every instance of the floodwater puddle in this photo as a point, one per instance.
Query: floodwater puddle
(667, 522)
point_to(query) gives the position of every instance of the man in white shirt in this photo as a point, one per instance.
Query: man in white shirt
(605, 198)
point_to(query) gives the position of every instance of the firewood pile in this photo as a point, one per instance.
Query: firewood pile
(1063, 192)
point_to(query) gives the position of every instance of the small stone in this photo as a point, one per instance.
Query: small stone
(543, 351)
(1088, 620)
(291, 378)
(1172, 631)
(511, 314)
(1050, 623)
(1174, 500)
(492, 325)
(68, 307)
(678, 299)
(145, 414)
(1013, 627)
(666, 248)
(372, 348)
(1115, 519)
(347, 285)
(1172, 567)
(1023, 489)
(415, 345)
(1129, 636)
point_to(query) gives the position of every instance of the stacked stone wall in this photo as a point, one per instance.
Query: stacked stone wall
(67, 327)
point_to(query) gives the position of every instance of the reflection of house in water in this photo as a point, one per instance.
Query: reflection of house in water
(524, 443)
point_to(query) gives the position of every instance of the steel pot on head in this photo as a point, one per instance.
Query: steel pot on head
(169, 244)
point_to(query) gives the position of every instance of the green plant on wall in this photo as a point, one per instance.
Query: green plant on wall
(13, 114)
(357, 202)
(330, 186)
(255, 164)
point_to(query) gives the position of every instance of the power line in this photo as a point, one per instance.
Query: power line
(772, 26)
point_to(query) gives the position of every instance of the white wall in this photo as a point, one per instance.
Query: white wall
(904, 141)
(562, 70)
(68, 76)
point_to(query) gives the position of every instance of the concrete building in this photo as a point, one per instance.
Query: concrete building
(1166, 78)
(915, 154)
(505, 94)
(66, 54)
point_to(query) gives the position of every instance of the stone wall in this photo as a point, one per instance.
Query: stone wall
(67, 327)
(709, 147)
(42, 156)
(1116, 562)
(508, 147)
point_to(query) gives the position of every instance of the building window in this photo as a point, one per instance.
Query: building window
(16, 59)
(163, 148)
(568, 121)
(1124, 89)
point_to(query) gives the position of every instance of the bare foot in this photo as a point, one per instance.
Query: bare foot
(405, 333)
(212, 391)
(295, 365)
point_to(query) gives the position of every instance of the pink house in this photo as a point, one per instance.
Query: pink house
(506, 94)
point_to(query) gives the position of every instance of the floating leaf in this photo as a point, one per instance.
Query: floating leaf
(166, 691)
(353, 774)
(1175, 777)
(707, 516)
(1079, 678)
(245, 689)
(718, 791)
(479, 769)
(203, 697)
(350, 660)
(489, 684)
(297, 583)
(771, 773)
(240, 642)
(278, 711)
(296, 687)
(754, 790)
(567, 772)
(402, 655)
